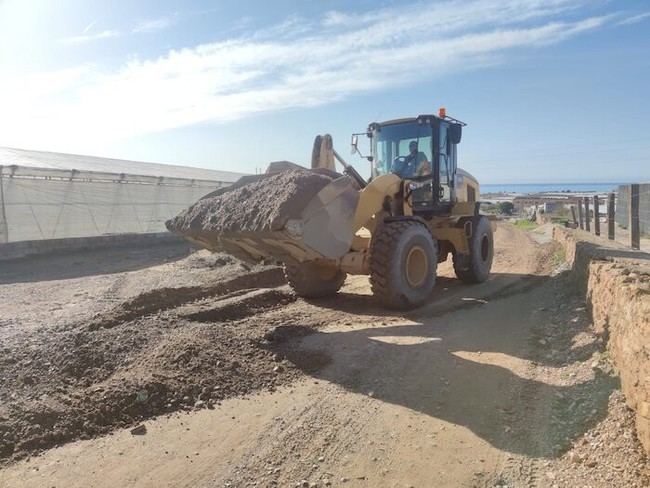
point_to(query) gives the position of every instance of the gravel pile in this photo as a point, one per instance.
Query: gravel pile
(144, 357)
(255, 204)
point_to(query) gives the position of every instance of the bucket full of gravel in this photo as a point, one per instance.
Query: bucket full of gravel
(298, 207)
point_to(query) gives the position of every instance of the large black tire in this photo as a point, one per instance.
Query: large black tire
(475, 266)
(310, 280)
(403, 260)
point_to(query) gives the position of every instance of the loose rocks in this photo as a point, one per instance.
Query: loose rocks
(139, 430)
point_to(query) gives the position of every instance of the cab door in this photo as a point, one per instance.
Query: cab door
(444, 170)
(444, 166)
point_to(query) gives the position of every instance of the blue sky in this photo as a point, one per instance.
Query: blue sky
(553, 91)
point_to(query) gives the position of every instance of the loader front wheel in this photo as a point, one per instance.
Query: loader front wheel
(403, 260)
(475, 266)
(310, 280)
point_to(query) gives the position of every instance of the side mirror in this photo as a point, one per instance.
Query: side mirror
(354, 143)
(455, 133)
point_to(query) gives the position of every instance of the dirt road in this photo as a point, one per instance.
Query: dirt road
(499, 384)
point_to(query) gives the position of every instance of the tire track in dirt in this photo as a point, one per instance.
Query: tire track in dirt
(300, 444)
(168, 298)
(254, 302)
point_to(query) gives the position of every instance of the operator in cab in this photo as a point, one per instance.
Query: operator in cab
(413, 165)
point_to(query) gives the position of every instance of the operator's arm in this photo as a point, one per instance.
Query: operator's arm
(424, 167)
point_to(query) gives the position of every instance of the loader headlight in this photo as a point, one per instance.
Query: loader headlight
(414, 185)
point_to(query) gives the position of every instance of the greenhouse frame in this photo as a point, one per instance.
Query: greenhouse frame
(47, 195)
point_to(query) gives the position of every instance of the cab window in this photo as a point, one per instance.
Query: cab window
(392, 142)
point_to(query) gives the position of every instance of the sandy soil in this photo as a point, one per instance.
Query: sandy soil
(499, 384)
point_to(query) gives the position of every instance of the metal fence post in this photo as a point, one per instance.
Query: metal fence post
(587, 216)
(611, 215)
(635, 229)
(581, 219)
(596, 215)
(4, 226)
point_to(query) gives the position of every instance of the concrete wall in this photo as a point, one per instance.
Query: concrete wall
(616, 282)
(16, 250)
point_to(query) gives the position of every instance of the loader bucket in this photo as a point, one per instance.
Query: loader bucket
(315, 226)
(328, 221)
(324, 230)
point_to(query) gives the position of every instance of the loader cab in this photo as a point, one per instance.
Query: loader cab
(429, 172)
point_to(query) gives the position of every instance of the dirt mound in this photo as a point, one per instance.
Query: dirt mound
(162, 351)
(248, 305)
(189, 366)
(263, 204)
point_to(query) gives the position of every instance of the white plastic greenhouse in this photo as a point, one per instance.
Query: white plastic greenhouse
(57, 196)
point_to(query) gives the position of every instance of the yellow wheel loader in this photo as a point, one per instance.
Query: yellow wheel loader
(417, 208)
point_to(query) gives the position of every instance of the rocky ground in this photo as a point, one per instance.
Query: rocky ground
(228, 380)
(138, 358)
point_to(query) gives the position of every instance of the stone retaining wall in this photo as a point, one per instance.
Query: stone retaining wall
(617, 285)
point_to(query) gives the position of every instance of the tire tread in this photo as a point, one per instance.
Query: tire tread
(382, 252)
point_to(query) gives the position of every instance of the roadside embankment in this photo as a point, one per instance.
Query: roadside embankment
(617, 286)
(28, 249)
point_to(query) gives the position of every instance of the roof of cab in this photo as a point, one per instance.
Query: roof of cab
(398, 121)
(403, 120)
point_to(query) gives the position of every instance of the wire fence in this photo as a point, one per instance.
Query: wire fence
(629, 207)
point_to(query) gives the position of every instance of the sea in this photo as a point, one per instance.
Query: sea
(525, 188)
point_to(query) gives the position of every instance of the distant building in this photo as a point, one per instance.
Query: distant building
(549, 203)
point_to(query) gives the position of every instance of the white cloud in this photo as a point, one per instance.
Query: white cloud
(634, 19)
(144, 27)
(334, 17)
(294, 64)
(89, 26)
(105, 34)
(152, 25)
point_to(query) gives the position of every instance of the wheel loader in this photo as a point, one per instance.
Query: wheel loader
(416, 209)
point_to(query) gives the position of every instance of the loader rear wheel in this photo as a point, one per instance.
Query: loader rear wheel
(475, 266)
(310, 280)
(403, 260)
